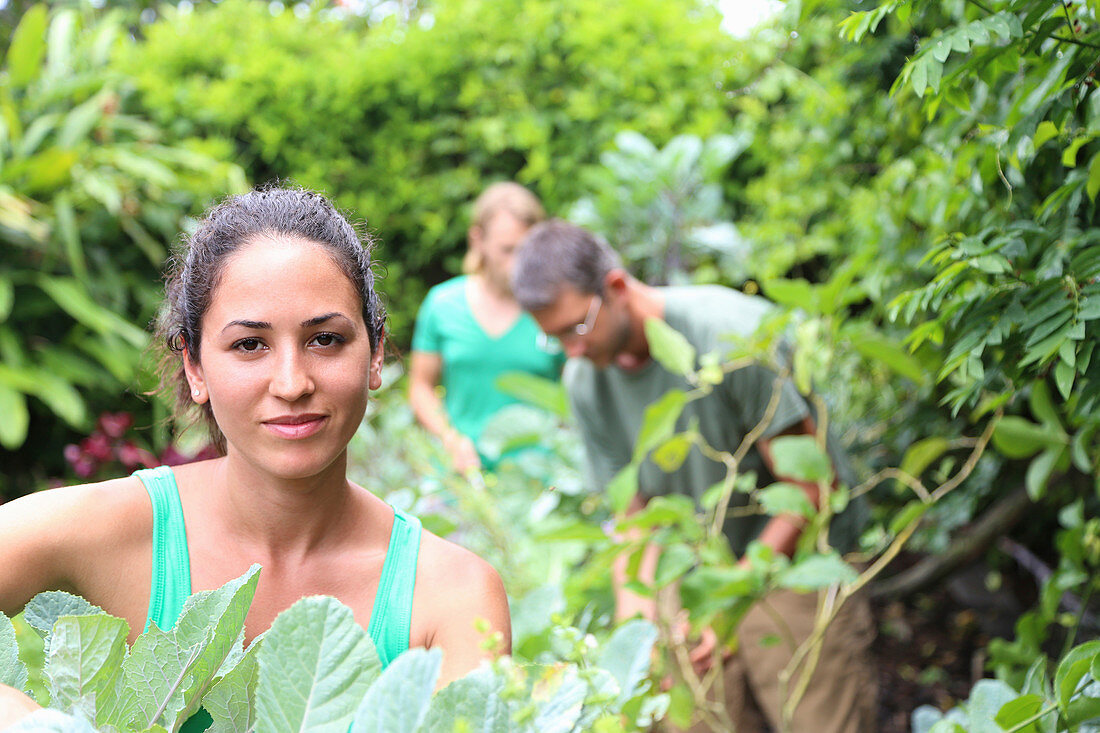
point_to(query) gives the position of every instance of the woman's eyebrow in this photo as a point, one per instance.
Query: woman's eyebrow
(247, 324)
(318, 320)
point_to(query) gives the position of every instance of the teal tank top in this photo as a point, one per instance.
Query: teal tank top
(390, 617)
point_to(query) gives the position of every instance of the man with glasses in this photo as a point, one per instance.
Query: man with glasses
(574, 286)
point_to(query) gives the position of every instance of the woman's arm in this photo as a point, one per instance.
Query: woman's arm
(455, 591)
(14, 706)
(91, 540)
(425, 370)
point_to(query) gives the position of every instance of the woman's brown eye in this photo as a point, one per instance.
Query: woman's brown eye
(248, 344)
(324, 339)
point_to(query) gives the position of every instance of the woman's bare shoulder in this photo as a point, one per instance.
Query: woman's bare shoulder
(54, 536)
(449, 566)
(81, 508)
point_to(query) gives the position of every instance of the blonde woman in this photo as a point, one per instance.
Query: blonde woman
(470, 330)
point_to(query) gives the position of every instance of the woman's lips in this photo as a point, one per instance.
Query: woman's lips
(294, 427)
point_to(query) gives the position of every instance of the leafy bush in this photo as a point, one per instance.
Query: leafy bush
(90, 195)
(315, 669)
(405, 123)
(663, 210)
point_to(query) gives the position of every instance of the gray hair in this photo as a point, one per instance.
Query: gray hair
(555, 254)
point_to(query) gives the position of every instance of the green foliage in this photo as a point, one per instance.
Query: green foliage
(1068, 702)
(663, 209)
(406, 123)
(314, 670)
(90, 195)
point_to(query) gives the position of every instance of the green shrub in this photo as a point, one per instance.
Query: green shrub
(405, 124)
(90, 198)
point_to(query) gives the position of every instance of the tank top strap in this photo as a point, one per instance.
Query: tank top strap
(170, 584)
(391, 617)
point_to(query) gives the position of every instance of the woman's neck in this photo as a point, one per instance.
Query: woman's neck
(278, 516)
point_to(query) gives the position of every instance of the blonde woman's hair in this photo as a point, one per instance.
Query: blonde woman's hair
(504, 196)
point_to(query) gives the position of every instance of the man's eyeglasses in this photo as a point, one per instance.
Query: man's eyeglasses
(583, 328)
(552, 343)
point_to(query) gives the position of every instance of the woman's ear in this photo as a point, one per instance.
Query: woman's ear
(474, 237)
(195, 379)
(377, 356)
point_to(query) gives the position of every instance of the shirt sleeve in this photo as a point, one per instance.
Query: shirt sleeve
(426, 333)
(750, 391)
(602, 458)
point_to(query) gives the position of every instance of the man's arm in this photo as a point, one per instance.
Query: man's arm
(628, 603)
(782, 531)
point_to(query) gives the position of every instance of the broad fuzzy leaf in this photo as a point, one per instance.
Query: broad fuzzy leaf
(171, 671)
(12, 670)
(84, 668)
(315, 665)
(559, 711)
(473, 701)
(398, 701)
(45, 609)
(627, 655)
(230, 701)
(51, 721)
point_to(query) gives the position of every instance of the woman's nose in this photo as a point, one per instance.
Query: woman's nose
(291, 379)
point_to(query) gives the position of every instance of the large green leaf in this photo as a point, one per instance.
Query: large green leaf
(800, 458)
(84, 668)
(170, 671)
(1016, 437)
(43, 611)
(623, 487)
(784, 498)
(627, 655)
(659, 421)
(560, 712)
(669, 347)
(1072, 669)
(74, 300)
(7, 297)
(316, 664)
(879, 349)
(398, 700)
(1014, 712)
(12, 670)
(536, 390)
(817, 571)
(16, 417)
(473, 702)
(28, 46)
(52, 721)
(230, 702)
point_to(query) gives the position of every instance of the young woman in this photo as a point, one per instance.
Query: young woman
(274, 334)
(470, 330)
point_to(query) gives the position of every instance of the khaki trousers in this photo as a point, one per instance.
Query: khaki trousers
(841, 696)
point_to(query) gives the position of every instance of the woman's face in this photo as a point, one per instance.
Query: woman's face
(498, 241)
(285, 360)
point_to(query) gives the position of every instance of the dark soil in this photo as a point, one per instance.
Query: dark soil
(928, 652)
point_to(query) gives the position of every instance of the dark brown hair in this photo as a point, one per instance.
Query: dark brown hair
(194, 270)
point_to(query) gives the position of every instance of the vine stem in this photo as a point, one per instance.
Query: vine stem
(1034, 718)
